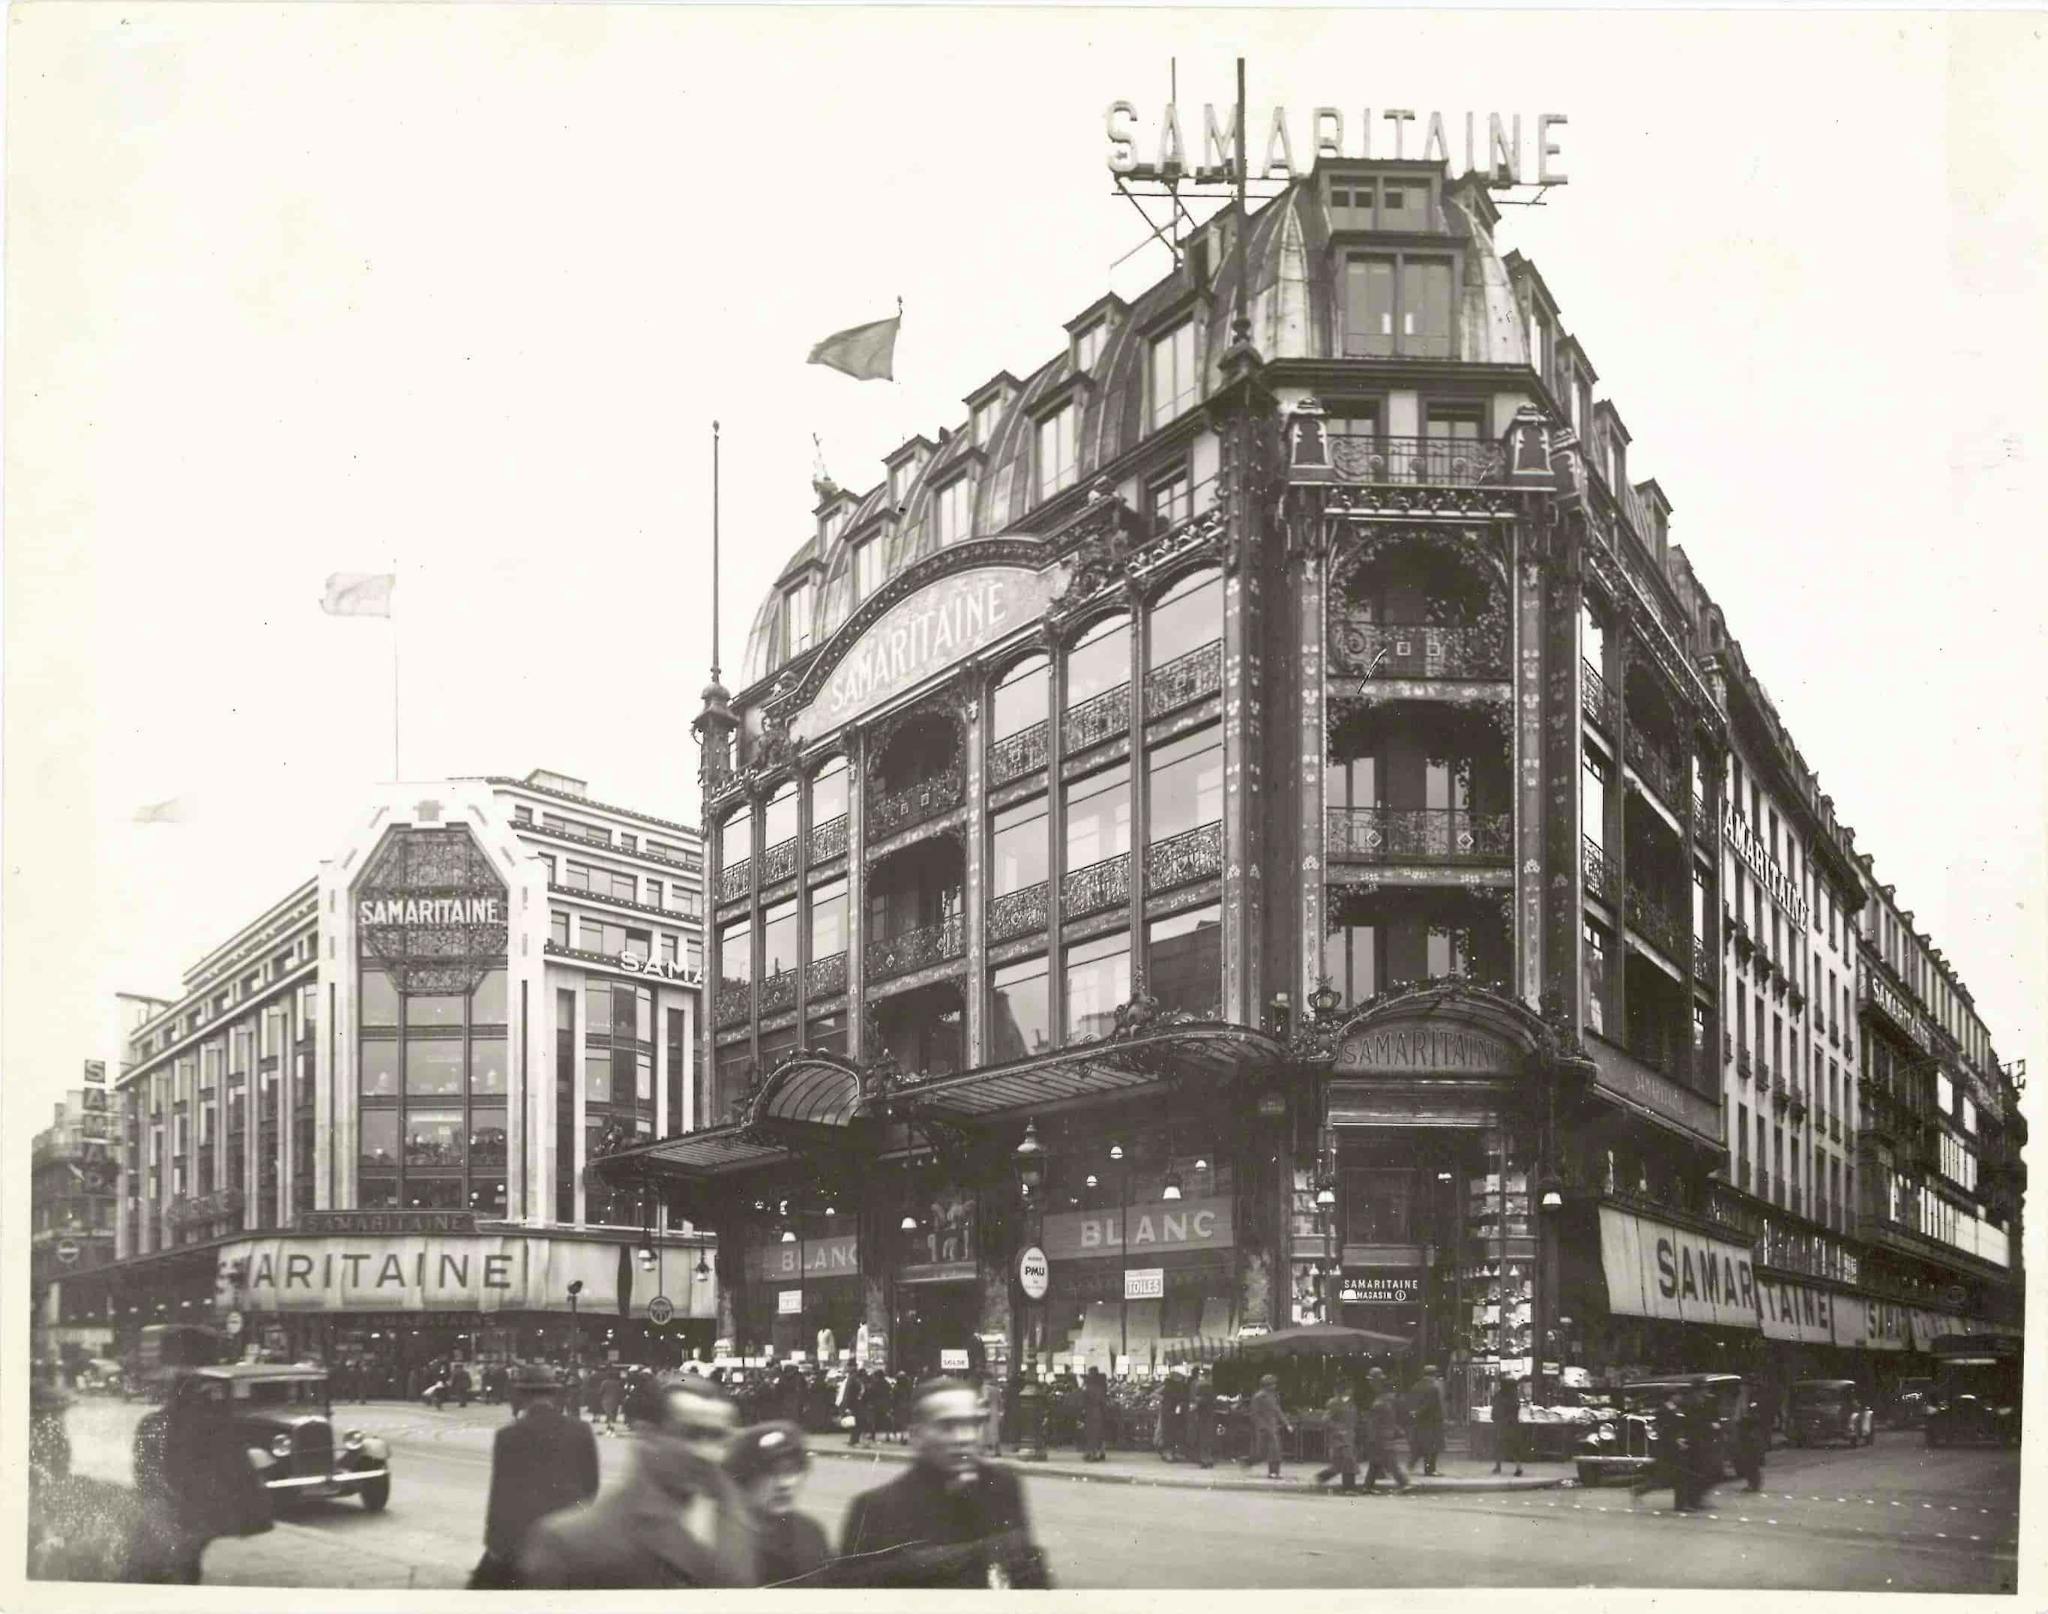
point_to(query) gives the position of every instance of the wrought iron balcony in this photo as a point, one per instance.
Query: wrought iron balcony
(892, 810)
(1415, 461)
(735, 880)
(1593, 860)
(1596, 700)
(1702, 958)
(1184, 680)
(735, 1002)
(1100, 885)
(914, 949)
(1019, 912)
(828, 840)
(1798, 1107)
(825, 977)
(778, 862)
(777, 992)
(1194, 854)
(1015, 755)
(1416, 834)
(1655, 769)
(1702, 826)
(1657, 924)
(1365, 649)
(1100, 717)
(1835, 1127)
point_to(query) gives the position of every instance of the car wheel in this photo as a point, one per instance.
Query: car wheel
(1588, 1474)
(376, 1493)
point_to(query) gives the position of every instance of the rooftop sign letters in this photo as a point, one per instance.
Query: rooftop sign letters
(430, 911)
(940, 624)
(1491, 141)
(1902, 1014)
(1420, 1047)
(666, 969)
(385, 1221)
(1765, 867)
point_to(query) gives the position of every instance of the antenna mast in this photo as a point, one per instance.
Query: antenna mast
(714, 552)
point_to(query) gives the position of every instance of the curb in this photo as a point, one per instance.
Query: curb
(1285, 1487)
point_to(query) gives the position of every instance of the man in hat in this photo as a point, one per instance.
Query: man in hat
(1427, 1421)
(1382, 1436)
(540, 1462)
(1507, 1424)
(1268, 1419)
(1342, 1413)
(768, 1463)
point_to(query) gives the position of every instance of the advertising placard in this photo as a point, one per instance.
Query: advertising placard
(789, 1302)
(1145, 1283)
(1657, 1270)
(1188, 1224)
(1798, 1311)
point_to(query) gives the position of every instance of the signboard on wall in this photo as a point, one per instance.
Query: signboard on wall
(1870, 1325)
(811, 1258)
(1187, 1224)
(1419, 1048)
(430, 909)
(789, 1302)
(1798, 1311)
(1656, 1270)
(1145, 1283)
(1393, 1287)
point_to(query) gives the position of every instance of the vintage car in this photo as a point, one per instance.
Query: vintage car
(1977, 1391)
(282, 1413)
(1622, 1441)
(1828, 1409)
(1909, 1403)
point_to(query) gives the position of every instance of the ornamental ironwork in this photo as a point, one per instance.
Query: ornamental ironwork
(1702, 959)
(1100, 717)
(778, 862)
(1194, 854)
(1184, 680)
(777, 992)
(1416, 834)
(735, 880)
(825, 977)
(1596, 700)
(1415, 461)
(828, 840)
(1366, 649)
(1019, 912)
(1593, 860)
(935, 793)
(1660, 772)
(432, 910)
(1100, 885)
(1015, 755)
(735, 1002)
(914, 949)
(1656, 924)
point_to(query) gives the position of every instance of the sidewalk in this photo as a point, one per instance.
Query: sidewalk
(1460, 1476)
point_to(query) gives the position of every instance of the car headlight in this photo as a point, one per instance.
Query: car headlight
(281, 1446)
(1605, 1437)
(259, 1459)
(352, 1439)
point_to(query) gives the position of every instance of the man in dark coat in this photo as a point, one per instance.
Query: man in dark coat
(461, 1383)
(1507, 1424)
(1173, 1406)
(1202, 1418)
(768, 1463)
(1342, 1413)
(1752, 1442)
(1094, 1411)
(1268, 1420)
(540, 1462)
(1426, 1424)
(1382, 1436)
(1668, 1455)
(949, 1519)
(675, 1518)
(854, 1395)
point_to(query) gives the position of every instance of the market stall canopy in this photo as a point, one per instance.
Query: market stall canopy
(1322, 1339)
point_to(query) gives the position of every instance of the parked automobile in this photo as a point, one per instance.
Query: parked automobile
(101, 1376)
(1909, 1403)
(1622, 1442)
(1976, 1395)
(285, 1419)
(1829, 1409)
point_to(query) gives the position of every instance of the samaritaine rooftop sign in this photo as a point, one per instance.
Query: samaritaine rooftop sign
(1493, 142)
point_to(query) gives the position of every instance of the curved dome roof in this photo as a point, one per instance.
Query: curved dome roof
(1291, 310)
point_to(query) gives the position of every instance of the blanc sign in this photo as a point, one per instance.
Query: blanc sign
(1495, 145)
(1188, 1224)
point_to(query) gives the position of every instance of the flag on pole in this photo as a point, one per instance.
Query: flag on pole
(866, 352)
(359, 594)
(174, 811)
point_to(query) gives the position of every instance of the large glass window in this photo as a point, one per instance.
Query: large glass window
(867, 567)
(1188, 616)
(1351, 959)
(1355, 783)
(1186, 962)
(597, 1075)
(423, 1011)
(1020, 699)
(1017, 847)
(1020, 1018)
(1099, 661)
(1098, 817)
(487, 1003)
(1397, 305)
(1170, 500)
(778, 820)
(1098, 982)
(487, 1137)
(379, 1132)
(736, 838)
(1175, 383)
(378, 1060)
(434, 1193)
(736, 951)
(379, 999)
(1056, 452)
(433, 1067)
(1593, 799)
(433, 1138)
(487, 1065)
(953, 510)
(828, 919)
(797, 607)
(828, 792)
(778, 938)
(1379, 1205)
(1185, 784)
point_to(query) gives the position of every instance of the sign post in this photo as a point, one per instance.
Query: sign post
(67, 1251)
(659, 1310)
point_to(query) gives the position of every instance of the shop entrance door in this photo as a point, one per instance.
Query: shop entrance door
(932, 1318)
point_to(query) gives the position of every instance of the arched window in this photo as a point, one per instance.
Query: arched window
(1020, 698)
(1186, 617)
(1099, 661)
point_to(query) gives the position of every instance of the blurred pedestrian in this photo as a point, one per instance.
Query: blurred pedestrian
(1342, 1413)
(1269, 1418)
(1703, 1447)
(1202, 1418)
(1173, 1415)
(1382, 1436)
(540, 1462)
(1094, 1413)
(611, 1395)
(1426, 1422)
(1752, 1442)
(193, 1482)
(460, 1381)
(1667, 1447)
(1507, 1424)
(768, 1463)
(948, 1519)
(675, 1518)
(853, 1397)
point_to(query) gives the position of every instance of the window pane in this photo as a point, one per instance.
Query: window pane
(379, 1067)
(433, 1138)
(1020, 699)
(1101, 661)
(597, 1008)
(1098, 817)
(1378, 1206)
(379, 1006)
(487, 1137)
(1019, 1021)
(597, 1077)
(377, 1193)
(487, 1003)
(828, 792)
(736, 951)
(435, 1011)
(434, 1193)
(778, 823)
(380, 1137)
(1056, 452)
(778, 939)
(1190, 616)
(487, 1065)
(867, 568)
(1098, 983)
(1172, 373)
(736, 838)
(1369, 307)
(1186, 785)
(433, 1068)
(1426, 319)
(1186, 970)
(487, 1195)
(828, 919)
(1017, 851)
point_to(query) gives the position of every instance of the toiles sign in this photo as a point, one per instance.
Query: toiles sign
(430, 909)
(1752, 851)
(939, 625)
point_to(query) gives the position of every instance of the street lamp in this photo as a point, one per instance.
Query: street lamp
(575, 1328)
(1549, 1202)
(1123, 1248)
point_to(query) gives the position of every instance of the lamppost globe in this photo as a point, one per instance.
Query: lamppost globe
(1170, 1189)
(1116, 1151)
(788, 1237)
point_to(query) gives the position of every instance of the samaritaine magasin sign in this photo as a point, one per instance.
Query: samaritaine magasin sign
(1413, 1048)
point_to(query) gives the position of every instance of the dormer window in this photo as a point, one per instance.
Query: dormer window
(1088, 346)
(1056, 443)
(1396, 305)
(797, 617)
(899, 477)
(867, 567)
(985, 421)
(1175, 383)
(953, 510)
(833, 524)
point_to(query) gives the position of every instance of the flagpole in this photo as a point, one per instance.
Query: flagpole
(714, 551)
(397, 773)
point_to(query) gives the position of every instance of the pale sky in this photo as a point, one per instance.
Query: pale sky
(299, 289)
